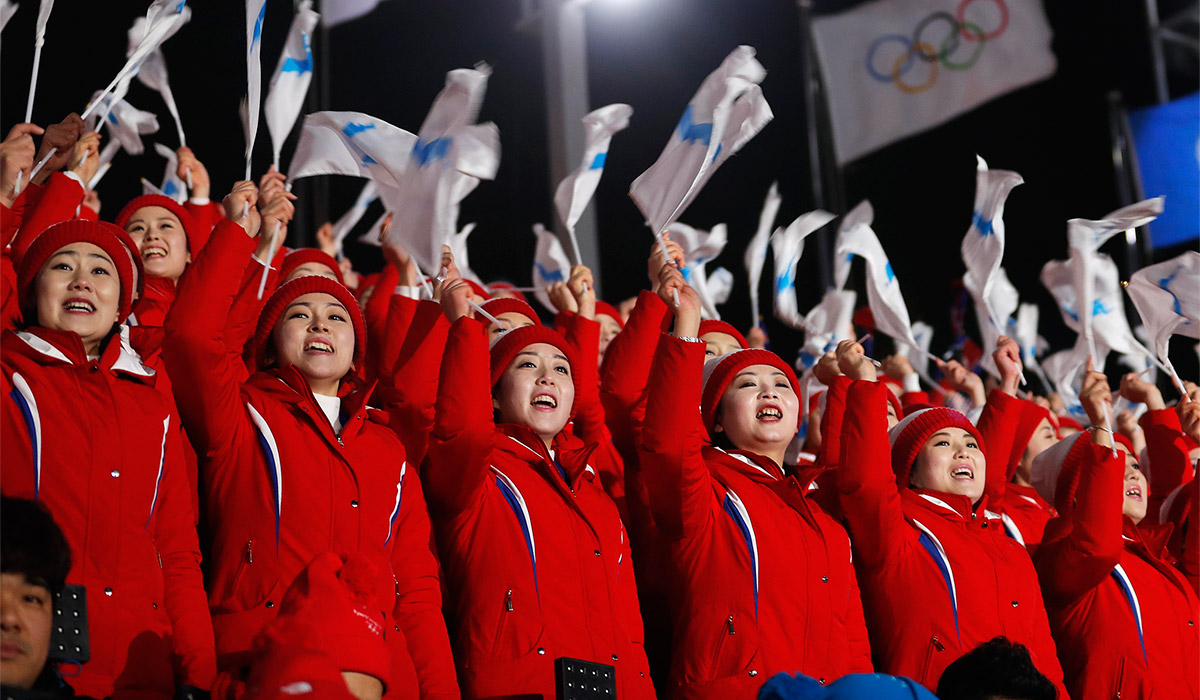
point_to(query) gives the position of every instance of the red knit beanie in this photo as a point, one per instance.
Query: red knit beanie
(303, 256)
(506, 347)
(603, 308)
(337, 604)
(100, 234)
(476, 288)
(721, 327)
(1031, 417)
(1067, 422)
(190, 227)
(720, 371)
(909, 436)
(136, 256)
(1056, 471)
(507, 305)
(289, 292)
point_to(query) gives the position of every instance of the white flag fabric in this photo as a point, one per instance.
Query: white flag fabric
(918, 356)
(983, 246)
(993, 312)
(788, 246)
(550, 264)
(828, 323)
(372, 235)
(152, 71)
(289, 84)
(576, 190)
(7, 10)
(700, 248)
(1167, 297)
(862, 213)
(343, 226)
(883, 289)
(458, 247)
(126, 124)
(256, 11)
(726, 112)
(351, 143)
(338, 11)
(1106, 308)
(720, 285)
(756, 251)
(451, 154)
(172, 185)
(1065, 370)
(163, 19)
(894, 68)
(1025, 333)
(1084, 238)
(106, 155)
(150, 188)
(39, 32)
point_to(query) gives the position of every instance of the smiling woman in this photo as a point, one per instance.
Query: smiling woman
(163, 231)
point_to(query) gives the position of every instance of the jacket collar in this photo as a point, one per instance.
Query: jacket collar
(570, 452)
(751, 464)
(65, 347)
(1149, 537)
(288, 385)
(949, 505)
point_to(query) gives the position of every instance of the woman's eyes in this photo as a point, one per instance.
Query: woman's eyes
(61, 266)
(747, 385)
(298, 314)
(561, 370)
(99, 271)
(942, 443)
(337, 317)
(527, 363)
(973, 446)
(34, 599)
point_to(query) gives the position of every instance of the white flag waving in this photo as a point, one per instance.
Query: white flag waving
(883, 289)
(451, 154)
(1084, 238)
(256, 11)
(7, 10)
(983, 246)
(756, 252)
(894, 68)
(700, 248)
(550, 264)
(152, 71)
(788, 245)
(290, 82)
(828, 323)
(1167, 297)
(351, 143)
(725, 113)
(172, 185)
(1106, 308)
(126, 124)
(918, 356)
(462, 258)
(862, 213)
(576, 190)
(343, 226)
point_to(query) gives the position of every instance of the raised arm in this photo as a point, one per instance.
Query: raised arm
(1166, 448)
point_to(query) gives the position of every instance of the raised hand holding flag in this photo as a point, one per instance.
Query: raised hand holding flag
(289, 84)
(700, 248)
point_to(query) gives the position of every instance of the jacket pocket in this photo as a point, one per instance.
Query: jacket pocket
(518, 626)
(932, 650)
(1120, 677)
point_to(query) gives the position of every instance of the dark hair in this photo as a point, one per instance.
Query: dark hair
(32, 544)
(996, 668)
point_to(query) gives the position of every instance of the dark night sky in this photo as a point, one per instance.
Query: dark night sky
(653, 55)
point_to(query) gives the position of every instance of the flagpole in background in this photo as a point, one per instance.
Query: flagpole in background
(820, 140)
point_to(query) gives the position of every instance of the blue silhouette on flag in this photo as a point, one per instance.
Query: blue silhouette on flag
(598, 161)
(984, 227)
(1070, 311)
(112, 119)
(785, 281)
(291, 65)
(258, 24)
(690, 131)
(1165, 284)
(1099, 309)
(548, 275)
(353, 129)
(890, 274)
(436, 149)
(170, 188)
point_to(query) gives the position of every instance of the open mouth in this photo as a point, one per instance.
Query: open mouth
(79, 306)
(963, 474)
(544, 402)
(319, 347)
(1134, 492)
(154, 252)
(769, 414)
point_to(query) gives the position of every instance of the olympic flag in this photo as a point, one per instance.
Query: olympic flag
(894, 68)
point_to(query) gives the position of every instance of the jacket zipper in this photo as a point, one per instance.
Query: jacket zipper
(729, 624)
(508, 606)
(1120, 676)
(249, 551)
(339, 439)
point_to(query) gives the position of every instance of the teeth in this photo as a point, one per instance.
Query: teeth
(1133, 492)
(545, 401)
(154, 253)
(80, 306)
(964, 472)
(770, 413)
(318, 345)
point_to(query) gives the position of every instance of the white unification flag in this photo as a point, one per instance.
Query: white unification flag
(756, 251)
(993, 312)
(1025, 333)
(343, 226)
(163, 19)
(351, 143)
(172, 185)
(862, 213)
(788, 246)
(126, 124)
(451, 154)
(1167, 297)
(918, 356)
(373, 234)
(1066, 368)
(894, 68)
(290, 82)
(550, 264)
(151, 188)
(1084, 238)
(720, 285)
(462, 258)
(152, 70)
(106, 155)
(983, 246)
(7, 10)
(700, 248)
(1106, 308)
(576, 189)
(256, 11)
(338, 11)
(883, 289)
(828, 323)
(725, 113)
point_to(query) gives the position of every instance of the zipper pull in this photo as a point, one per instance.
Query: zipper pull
(159, 555)
(729, 624)
(339, 439)
(397, 581)
(938, 645)
(249, 551)
(508, 601)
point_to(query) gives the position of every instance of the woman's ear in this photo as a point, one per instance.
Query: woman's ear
(717, 428)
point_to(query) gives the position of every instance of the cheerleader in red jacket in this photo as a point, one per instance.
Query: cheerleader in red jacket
(294, 463)
(939, 575)
(85, 432)
(164, 233)
(534, 551)
(1124, 617)
(764, 581)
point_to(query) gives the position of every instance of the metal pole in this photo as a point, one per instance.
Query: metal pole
(1158, 62)
(564, 63)
(816, 128)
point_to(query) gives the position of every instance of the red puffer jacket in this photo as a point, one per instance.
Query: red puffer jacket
(537, 559)
(1024, 511)
(939, 577)
(94, 442)
(764, 578)
(281, 486)
(1125, 619)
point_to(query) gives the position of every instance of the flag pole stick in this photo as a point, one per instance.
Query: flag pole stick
(662, 244)
(489, 317)
(578, 255)
(262, 283)
(37, 61)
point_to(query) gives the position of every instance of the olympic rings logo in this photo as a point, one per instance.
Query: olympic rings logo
(917, 49)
